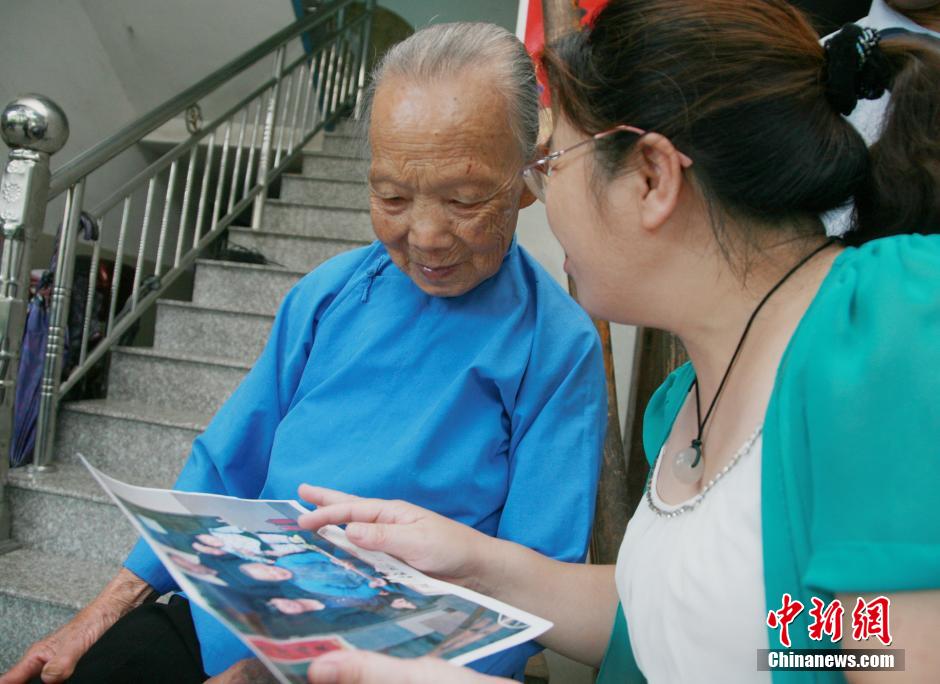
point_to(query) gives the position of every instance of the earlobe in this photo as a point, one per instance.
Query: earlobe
(527, 198)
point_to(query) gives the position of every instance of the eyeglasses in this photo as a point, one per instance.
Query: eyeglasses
(536, 172)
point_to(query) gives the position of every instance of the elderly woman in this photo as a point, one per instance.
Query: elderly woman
(441, 364)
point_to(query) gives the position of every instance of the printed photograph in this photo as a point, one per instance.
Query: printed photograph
(293, 595)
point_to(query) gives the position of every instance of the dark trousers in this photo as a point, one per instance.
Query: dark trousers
(153, 644)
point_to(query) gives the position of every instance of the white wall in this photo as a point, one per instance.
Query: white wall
(51, 47)
(420, 13)
(108, 62)
(158, 49)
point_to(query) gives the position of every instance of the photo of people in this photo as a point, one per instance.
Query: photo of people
(292, 594)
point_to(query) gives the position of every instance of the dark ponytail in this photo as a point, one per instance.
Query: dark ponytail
(744, 88)
(901, 193)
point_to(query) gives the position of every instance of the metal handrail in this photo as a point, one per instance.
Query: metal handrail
(88, 161)
(288, 109)
(183, 147)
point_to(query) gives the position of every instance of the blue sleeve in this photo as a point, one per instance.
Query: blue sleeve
(558, 429)
(870, 385)
(231, 456)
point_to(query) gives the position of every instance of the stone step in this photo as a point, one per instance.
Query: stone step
(129, 440)
(325, 192)
(321, 222)
(185, 382)
(66, 513)
(190, 328)
(320, 165)
(345, 127)
(250, 288)
(294, 251)
(39, 592)
(350, 146)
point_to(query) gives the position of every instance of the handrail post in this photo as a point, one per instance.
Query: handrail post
(58, 329)
(34, 128)
(267, 139)
(364, 58)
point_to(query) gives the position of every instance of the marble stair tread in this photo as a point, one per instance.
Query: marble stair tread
(350, 243)
(141, 412)
(322, 191)
(297, 248)
(334, 167)
(68, 479)
(194, 382)
(349, 146)
(199, 329)
(165, 355)
(242, 266)
(235, 286)
(301, 205)
(325, 177)
(194, 306)
(309, 220)
(58, 580)
(332, 154)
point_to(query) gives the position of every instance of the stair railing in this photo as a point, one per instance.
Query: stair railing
(34, 128)
(185, 199)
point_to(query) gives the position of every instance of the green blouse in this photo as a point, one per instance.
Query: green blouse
(851, 444)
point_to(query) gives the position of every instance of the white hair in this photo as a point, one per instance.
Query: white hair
(442, 51)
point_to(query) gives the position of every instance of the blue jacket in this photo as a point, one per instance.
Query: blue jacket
(489, 408)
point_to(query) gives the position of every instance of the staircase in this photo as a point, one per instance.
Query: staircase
(72, 537)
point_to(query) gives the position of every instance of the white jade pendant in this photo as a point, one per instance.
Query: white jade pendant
(682, 466)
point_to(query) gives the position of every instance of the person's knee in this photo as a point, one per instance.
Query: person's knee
(153, 643)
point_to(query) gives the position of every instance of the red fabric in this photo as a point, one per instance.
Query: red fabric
(535, 35)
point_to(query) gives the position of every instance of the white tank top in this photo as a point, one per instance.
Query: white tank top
(692, 586)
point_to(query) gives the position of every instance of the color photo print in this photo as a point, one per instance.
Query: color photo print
(291, 595)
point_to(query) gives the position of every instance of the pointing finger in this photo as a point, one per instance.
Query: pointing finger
(355, 510)
(321, 496)
(358, 667)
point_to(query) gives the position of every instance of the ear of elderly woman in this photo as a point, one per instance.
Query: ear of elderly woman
(699, 141)
(441, 364)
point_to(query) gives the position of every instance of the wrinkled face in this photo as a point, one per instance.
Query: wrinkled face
(444, 181)
(266, 573)
(296, 606)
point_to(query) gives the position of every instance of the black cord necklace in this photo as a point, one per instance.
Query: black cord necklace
(686, 464)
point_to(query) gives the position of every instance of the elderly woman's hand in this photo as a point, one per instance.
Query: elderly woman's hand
(362, 667)
(427, 541)
(248, 671)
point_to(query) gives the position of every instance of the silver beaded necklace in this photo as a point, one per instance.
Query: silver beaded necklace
(695, 501)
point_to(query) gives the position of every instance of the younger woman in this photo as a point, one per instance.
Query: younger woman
(797, 457)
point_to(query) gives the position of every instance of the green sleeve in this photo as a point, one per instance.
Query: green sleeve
(870, 385)
(663, 407)
(619, 666)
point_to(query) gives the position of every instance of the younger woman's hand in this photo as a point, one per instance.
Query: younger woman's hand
(424, 540)
(361, 667)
